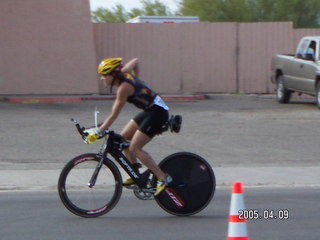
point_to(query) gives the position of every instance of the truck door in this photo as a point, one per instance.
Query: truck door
(307, 68)
(293, 71)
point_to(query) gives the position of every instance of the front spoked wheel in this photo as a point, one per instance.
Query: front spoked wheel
(193, 184)
(85, 197)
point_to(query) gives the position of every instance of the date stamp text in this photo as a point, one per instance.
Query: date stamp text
(255, 214)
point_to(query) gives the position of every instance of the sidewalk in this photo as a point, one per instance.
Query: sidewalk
(47, 179)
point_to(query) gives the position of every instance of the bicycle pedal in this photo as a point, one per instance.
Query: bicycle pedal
(129, 186)
(148, 190)
(168, 180)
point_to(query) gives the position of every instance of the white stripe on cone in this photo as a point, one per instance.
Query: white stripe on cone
(237, 203)
(237, 228)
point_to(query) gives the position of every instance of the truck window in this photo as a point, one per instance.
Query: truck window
(311, 51)
(302, 48)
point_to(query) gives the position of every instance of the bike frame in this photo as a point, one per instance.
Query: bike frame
(115, 150)
(114, 146)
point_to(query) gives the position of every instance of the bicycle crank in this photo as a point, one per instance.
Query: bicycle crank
(143, 195)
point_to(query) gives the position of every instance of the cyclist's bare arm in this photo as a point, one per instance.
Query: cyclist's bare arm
(123, 92)
(132, 67)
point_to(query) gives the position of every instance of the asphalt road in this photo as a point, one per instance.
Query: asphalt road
(40, 215)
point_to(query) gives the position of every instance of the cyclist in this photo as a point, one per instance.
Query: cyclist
(144, 126)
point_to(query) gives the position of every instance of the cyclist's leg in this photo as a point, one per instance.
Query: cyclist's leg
(127, 133)
(138, 141)
(129, 130)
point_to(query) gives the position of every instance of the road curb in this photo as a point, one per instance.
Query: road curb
(73, 99)
(26, 100)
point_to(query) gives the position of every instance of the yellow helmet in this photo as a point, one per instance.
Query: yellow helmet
(108, 65)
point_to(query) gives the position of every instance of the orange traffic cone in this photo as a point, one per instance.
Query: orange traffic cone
(237, 229)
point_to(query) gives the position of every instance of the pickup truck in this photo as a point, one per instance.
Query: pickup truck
(299, 72)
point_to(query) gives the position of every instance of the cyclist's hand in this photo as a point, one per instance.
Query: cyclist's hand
(94, 134)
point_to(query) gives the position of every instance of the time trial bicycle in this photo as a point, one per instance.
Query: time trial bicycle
(90, 184)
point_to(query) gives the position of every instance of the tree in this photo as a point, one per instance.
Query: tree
(217, 10)
(303, 13)
(116, 14)
(152, 8)
(234, 10)
(119, 14)
(206, 10)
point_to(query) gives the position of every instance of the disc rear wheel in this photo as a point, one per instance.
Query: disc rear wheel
(193, 184)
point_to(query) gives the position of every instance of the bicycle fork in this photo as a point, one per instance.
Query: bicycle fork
(94, 176)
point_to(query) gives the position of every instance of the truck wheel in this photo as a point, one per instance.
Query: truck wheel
(318, 95)
(283, 95)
